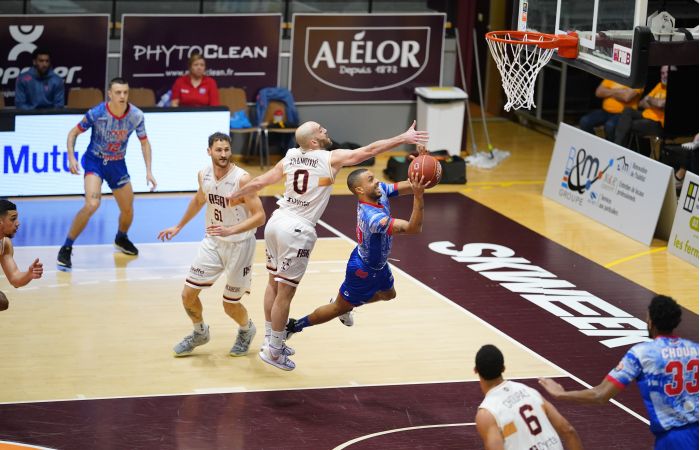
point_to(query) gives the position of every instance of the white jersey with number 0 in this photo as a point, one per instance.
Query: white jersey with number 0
(308, 180)
(520, 417)
(219, 212)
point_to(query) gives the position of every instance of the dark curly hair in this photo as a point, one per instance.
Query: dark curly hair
(665, 314)
(489, 362)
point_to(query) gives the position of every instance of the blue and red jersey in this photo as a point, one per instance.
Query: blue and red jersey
(374, 224)
(110, 133)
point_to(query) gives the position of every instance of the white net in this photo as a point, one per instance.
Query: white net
(519, 66)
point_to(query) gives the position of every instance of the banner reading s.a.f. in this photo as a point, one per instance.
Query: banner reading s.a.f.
(365, 57)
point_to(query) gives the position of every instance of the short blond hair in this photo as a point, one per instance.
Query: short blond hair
(194, 58)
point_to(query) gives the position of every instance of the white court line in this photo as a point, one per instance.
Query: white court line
(483, 322)
(399, 430)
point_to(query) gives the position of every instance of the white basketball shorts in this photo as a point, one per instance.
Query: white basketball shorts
(288, 244)
(215, 257)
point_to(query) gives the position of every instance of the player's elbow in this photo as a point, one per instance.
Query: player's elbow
(260, 219)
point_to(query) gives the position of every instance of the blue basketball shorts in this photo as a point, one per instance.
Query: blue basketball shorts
(113, 172)
(681, 438)
(362, 282)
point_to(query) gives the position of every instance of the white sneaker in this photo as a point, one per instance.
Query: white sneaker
(347, 318)
(281, 361)
(289, 351)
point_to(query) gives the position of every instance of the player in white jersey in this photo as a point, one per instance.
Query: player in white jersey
(666, 372)
(229, 246)
(9, 223)
(515, 416)
(290, 234)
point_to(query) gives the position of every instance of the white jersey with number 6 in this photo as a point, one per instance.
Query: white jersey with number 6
(219, 212)
(308, 183)
(520, 417)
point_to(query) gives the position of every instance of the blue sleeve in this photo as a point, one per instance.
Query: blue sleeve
(391, 190)
(21, 95)
(88, 120)
(141, 127)
(380, 222)
(59, 94)
(626, 371)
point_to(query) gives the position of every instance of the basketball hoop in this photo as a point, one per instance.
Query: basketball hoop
(520, 65)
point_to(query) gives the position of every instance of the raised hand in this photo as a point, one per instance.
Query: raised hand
(418, 183)
(413, 136)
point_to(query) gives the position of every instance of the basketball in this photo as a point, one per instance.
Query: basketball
(427, 167)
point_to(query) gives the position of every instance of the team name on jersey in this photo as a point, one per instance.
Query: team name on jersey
(304, 161)
(217, 200)
(681, 352)
(295, 201)
(303, 253)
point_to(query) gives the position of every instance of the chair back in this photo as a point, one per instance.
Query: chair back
(142, 97)
(234, 98)
(273, 106)
(84, 98)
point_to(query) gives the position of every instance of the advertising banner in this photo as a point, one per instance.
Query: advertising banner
(37, 163)
(77, 44)
(365, 57)
(611, 184)
(683, 241)
(240, 50)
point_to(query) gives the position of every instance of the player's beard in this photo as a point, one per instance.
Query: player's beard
(325, 143)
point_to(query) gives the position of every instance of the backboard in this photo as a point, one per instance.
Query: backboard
(618, 39)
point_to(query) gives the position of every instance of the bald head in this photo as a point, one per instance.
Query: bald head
(312, 136)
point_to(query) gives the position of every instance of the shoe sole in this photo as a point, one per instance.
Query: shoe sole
(63, 268)
(273, 363)
(289, 351)
(180, 355)
(125, 251)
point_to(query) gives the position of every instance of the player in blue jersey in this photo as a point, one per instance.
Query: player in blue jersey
(368, 277)
(666, 371)
(112, 123)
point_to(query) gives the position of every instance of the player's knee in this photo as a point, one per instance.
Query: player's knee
(91, 205)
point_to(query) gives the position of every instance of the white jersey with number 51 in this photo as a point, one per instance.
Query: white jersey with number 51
(308, 183)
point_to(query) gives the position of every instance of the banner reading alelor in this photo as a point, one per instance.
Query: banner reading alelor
(241, 50)
(365, 57)
(77, 44)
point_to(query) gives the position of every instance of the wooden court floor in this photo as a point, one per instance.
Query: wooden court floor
(106, 330)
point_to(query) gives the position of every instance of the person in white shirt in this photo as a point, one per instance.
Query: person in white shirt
(290, 234)
(228, 247)
(515, 416)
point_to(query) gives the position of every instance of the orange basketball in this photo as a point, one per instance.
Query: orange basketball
(428, 167)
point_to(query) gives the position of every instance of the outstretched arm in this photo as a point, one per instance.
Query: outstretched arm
(271, 176)
(16, 277)
(415, 223)
(598, 395)
(342, 158)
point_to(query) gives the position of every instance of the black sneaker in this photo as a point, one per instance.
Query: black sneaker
(289, 329)
(63, 260)
(125, 246)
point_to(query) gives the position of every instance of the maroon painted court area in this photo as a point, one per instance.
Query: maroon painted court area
(287, 420)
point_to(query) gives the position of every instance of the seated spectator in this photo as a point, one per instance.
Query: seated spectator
(194, 88)
(616, 97)
(39, 87)
(648, 122)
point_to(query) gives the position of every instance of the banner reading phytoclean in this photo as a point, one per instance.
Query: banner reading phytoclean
(77, 44)
(365, 57)
(611, 184)
(240, 50)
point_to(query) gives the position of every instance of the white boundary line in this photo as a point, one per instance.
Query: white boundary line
(399, 430)
(488, 325)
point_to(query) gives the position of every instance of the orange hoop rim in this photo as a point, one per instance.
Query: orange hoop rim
(566, 44)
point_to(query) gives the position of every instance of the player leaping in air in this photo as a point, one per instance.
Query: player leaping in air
(368, 277)
(290, 234)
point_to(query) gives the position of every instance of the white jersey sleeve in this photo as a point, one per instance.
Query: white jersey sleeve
(520, 416)
(219, 212)
(308, 183)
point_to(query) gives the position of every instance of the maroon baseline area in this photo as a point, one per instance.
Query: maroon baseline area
(459, 220)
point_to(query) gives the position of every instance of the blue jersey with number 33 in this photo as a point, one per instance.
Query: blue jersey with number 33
(374, 224)
(666, 371)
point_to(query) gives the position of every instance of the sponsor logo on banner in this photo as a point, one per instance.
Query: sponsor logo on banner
(156, 49)
(365, 57)
(612, 184)
(684, 234)
(350, 59)
(60, 35)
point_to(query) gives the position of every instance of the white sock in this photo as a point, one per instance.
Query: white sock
(247, 325)
(277, 339)
(200, 328)
(268, 329)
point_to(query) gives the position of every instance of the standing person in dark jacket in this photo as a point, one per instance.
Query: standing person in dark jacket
(39, 87)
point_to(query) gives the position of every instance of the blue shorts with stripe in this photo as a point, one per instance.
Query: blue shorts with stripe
(685, 437)
(113, 172)
(362, 282)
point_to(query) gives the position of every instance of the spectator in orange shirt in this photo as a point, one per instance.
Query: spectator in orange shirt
(650, 121)
(194, 88)
(616, 97)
